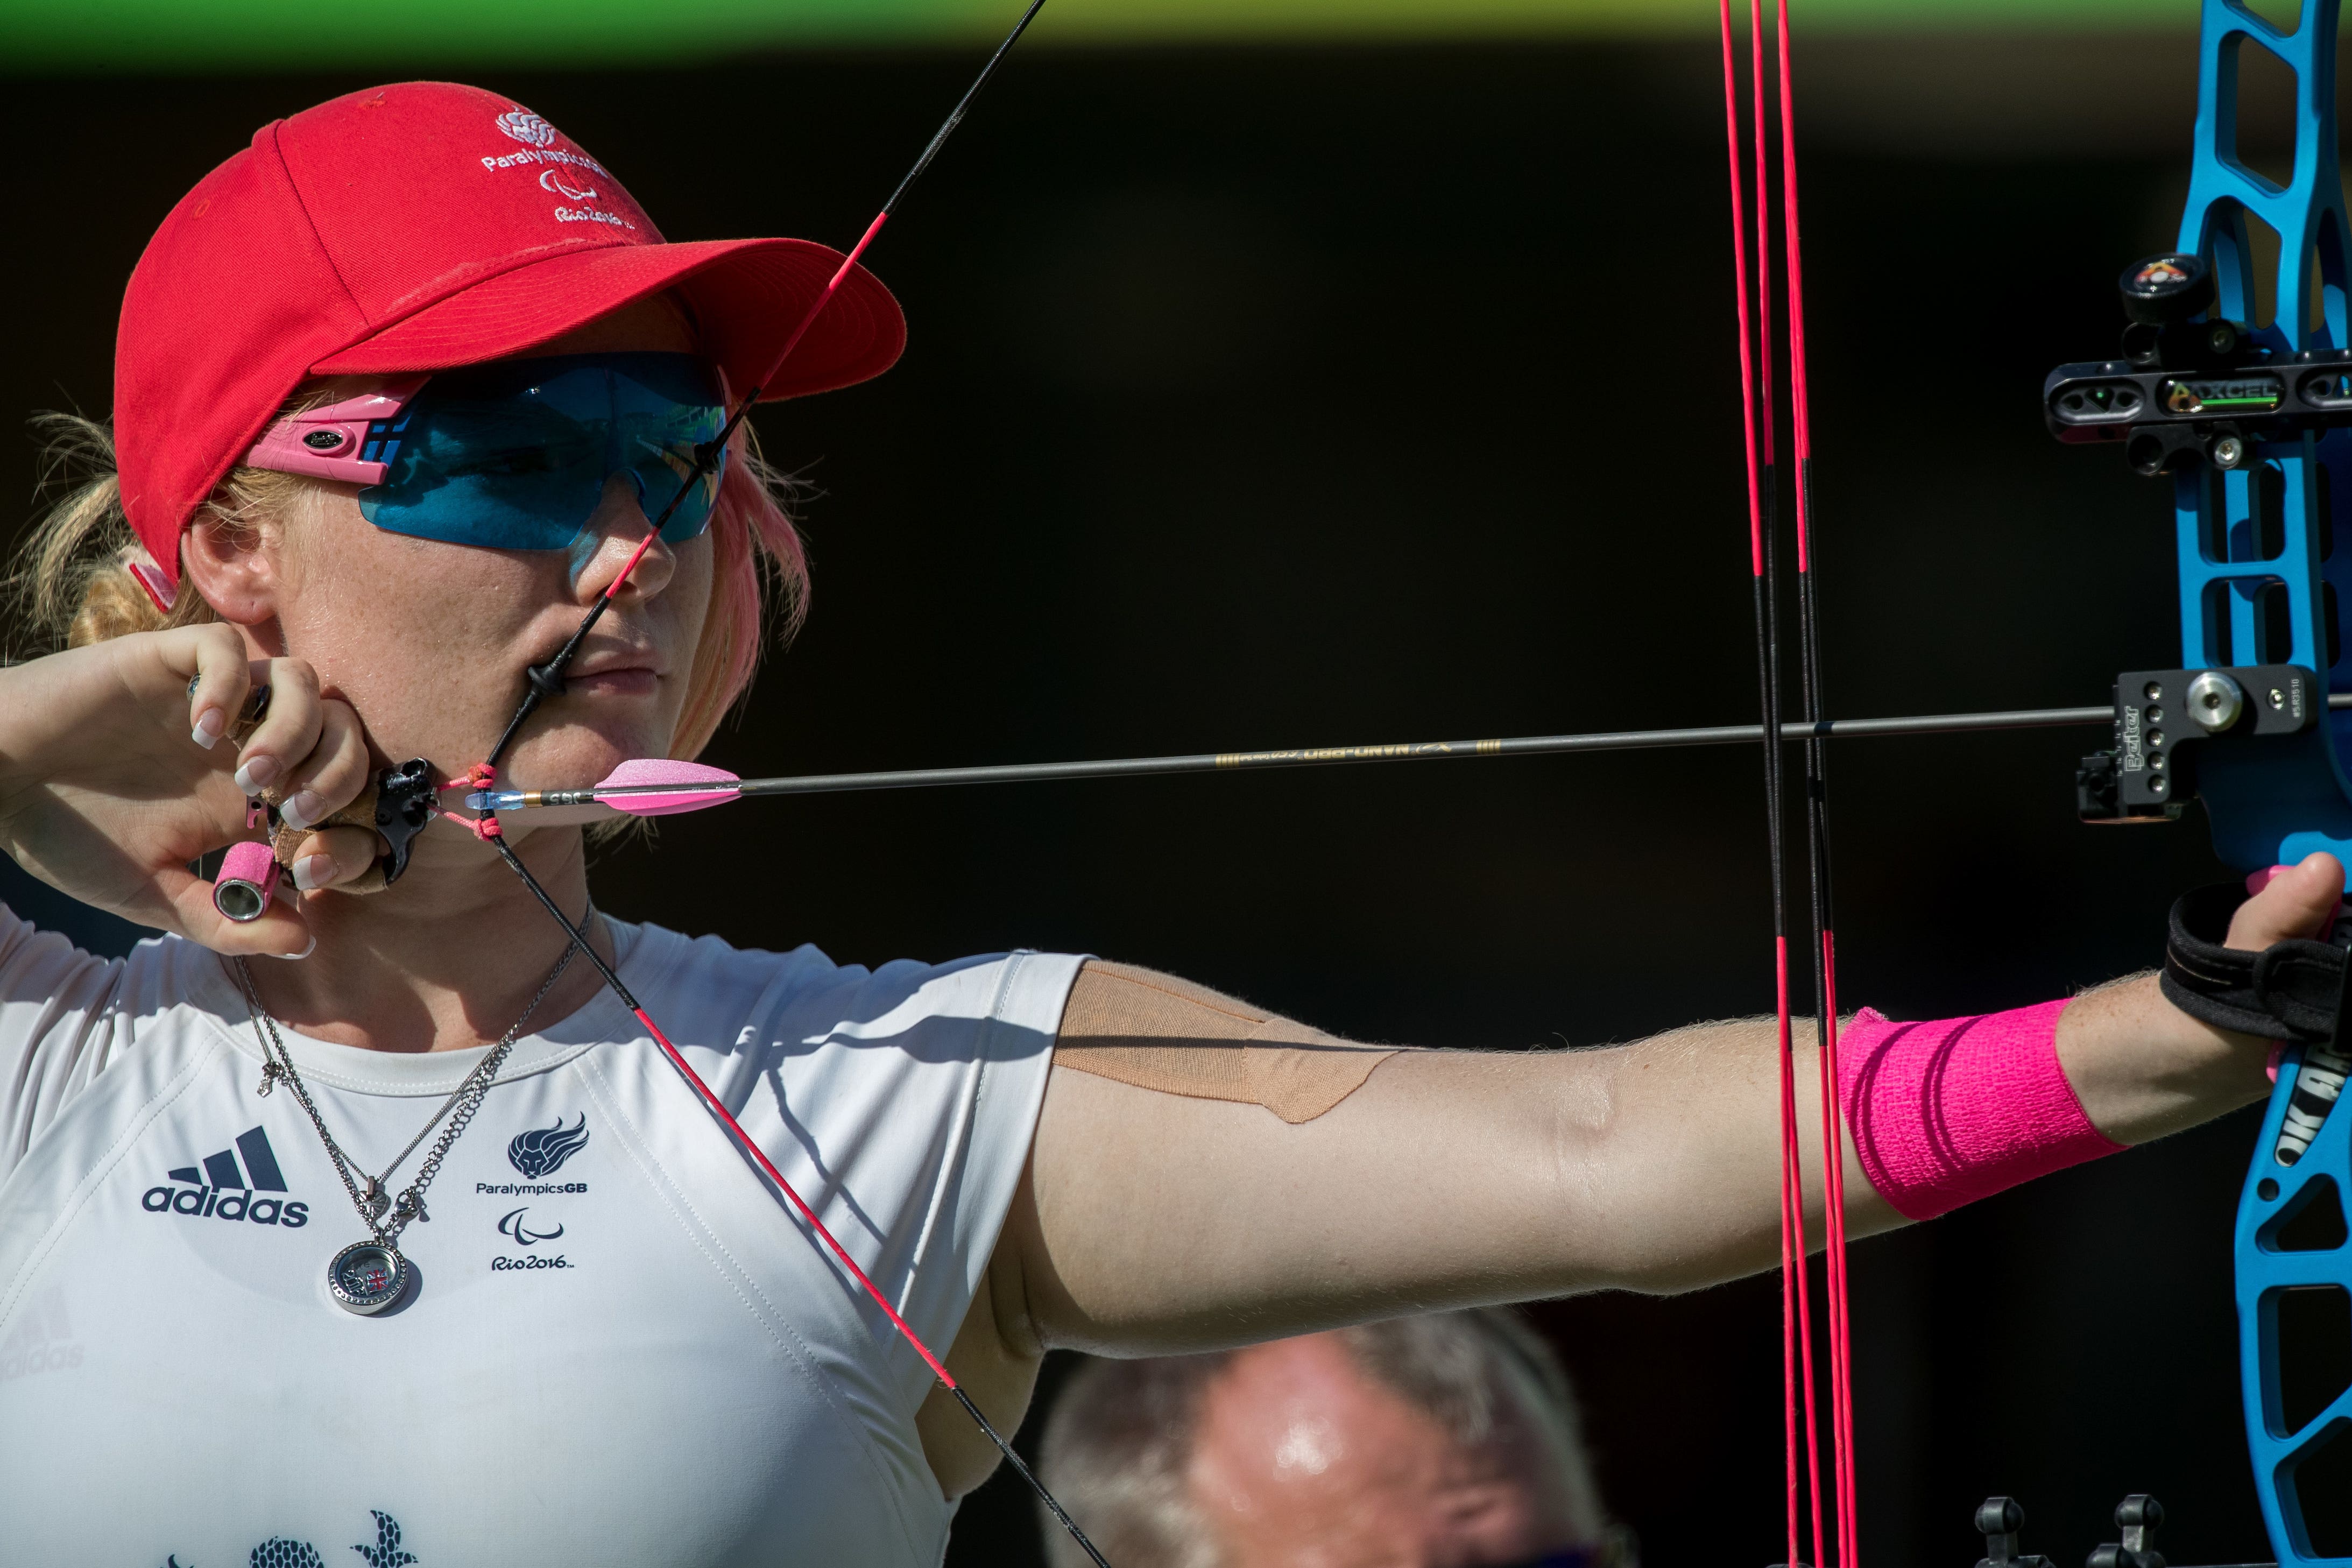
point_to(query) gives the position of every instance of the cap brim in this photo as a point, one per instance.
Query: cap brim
(746, 295)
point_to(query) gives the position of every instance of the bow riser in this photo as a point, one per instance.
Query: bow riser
(2251, 419)
(2260, 576)
(2265, 562)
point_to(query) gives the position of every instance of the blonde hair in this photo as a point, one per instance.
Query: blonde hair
(73, 586)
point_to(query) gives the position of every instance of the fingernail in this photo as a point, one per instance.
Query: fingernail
(304, 810)
(307, 952)
(211, 724)
(255, 776)
(313, 871)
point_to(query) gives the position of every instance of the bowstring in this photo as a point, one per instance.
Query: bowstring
(1792, 1143)
(1801, 1413)
(1799, 1442)
(545, 679)
(1817, 834)
(578, 937)
(1770, 728)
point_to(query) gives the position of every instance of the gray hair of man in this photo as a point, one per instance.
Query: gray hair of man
(1118, 1445)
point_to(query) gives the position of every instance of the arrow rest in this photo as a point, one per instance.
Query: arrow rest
(2165, 720)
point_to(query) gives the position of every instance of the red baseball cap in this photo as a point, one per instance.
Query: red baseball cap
(418, 228)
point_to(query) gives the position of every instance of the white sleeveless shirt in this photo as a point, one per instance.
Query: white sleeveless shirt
(622, 1347)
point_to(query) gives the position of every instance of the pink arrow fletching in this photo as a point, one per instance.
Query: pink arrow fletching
(641, 771)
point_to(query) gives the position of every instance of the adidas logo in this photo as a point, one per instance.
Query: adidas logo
(221, 1190)
(43, 1341)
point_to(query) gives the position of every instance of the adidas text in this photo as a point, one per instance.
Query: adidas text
(232, 1203)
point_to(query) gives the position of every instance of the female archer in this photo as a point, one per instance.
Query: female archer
(388, 1211)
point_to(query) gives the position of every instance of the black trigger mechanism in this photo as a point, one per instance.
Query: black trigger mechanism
(397, 803)
(405, 800)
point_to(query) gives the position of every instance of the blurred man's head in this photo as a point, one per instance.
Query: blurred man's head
(1448, 1441)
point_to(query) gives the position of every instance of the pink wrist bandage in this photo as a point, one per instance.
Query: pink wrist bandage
(1945, 1114)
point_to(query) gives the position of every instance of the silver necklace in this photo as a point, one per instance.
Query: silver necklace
(368, 1277)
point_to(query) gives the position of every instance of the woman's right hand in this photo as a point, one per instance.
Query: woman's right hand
(117, 769)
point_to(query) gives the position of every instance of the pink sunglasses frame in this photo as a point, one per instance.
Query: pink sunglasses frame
(325, 443)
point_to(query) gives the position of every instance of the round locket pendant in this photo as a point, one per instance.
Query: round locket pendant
(367, 1276)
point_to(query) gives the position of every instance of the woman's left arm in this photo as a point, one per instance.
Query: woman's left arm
(1153, 1222)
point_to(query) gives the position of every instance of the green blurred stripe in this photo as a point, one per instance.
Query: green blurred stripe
(213, 35)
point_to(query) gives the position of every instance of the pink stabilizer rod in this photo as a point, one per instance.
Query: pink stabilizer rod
(325, 443)
(248, 881)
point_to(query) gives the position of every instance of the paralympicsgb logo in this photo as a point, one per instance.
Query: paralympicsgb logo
(543, 1151)
(539, 152)
(527, 128)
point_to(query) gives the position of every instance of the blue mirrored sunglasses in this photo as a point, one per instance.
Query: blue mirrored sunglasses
(515, 455)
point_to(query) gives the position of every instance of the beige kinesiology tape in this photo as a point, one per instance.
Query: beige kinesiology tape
(360, 814)
(1154, 1031)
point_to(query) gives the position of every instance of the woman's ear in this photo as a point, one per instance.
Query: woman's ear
(237, 568)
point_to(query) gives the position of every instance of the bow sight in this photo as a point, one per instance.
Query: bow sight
(2193, 386)
(2241, 424)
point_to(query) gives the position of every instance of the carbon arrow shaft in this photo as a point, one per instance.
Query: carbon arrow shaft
(1315, 756)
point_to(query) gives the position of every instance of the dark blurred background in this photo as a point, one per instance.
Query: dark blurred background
(1279, 396)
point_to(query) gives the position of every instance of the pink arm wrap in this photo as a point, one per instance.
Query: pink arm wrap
(1948, 1112)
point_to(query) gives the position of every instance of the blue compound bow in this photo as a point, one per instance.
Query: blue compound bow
(2252, 421)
